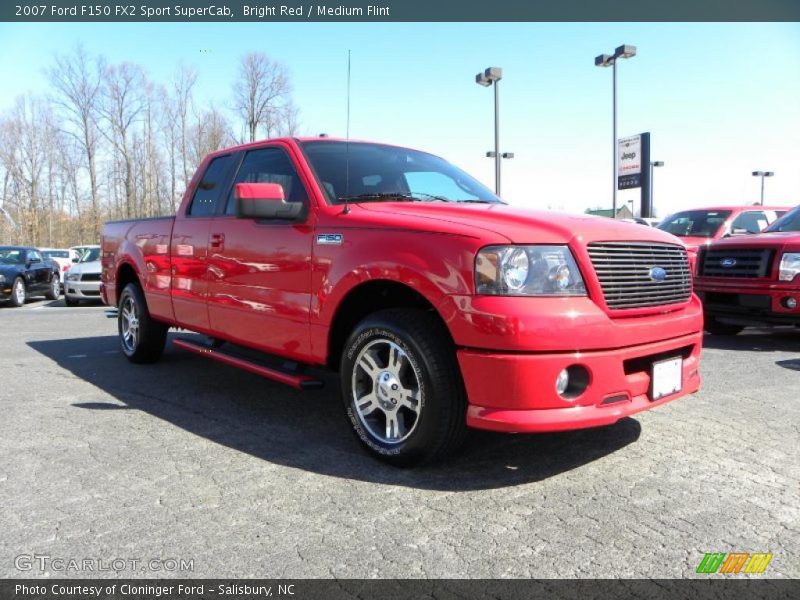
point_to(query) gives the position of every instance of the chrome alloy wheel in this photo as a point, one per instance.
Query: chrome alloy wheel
(19, 292)
(129, 319)
(386, 391)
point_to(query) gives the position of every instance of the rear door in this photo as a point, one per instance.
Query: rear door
(189, 244)
(260, 270)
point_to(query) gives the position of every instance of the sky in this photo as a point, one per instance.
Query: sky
(720, 100)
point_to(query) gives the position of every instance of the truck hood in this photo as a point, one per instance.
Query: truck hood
(516, 225)
(693, 242)
(761, 240)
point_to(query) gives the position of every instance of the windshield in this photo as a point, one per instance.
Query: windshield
(374, 173)
(12, 256)
(695, 223)
(55, 253)
(90, 255)
(789, 222)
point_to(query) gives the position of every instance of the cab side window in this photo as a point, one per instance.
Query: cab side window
(268, 165)
(33, 255)
(207, 194)
(753, 221)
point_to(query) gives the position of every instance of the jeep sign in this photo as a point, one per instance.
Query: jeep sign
(629, 163)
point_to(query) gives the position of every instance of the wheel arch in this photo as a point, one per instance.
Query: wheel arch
(126, 273)
(366, 298)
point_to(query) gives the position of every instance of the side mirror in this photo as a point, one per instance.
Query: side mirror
(264, 201)
(75, 259)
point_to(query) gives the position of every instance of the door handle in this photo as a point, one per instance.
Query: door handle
(218, 240)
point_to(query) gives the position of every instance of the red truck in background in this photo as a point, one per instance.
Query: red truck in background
(699, 227)
(752, 280)
(440, 306)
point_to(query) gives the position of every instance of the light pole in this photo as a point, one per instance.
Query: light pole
(604, 60)
(763, 174)
(653, 163)
(490, 76)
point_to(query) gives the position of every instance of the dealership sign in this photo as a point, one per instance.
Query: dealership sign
(629, 162)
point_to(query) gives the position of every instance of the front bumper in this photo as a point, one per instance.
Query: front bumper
(515, 392)
(82, 290)
(750, 303)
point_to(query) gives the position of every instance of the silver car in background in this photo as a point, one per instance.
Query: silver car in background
(82, 281)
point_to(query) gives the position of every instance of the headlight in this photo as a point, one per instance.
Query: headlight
(73, 276)
(790, 266)
(528, 271)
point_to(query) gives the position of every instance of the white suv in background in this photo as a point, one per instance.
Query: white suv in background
(64, 257)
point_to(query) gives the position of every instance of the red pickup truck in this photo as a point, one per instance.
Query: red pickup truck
(441, 307)
(752, 280)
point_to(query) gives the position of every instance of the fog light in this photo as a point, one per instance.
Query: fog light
(789, 303)
(572, 382)
(562, 382)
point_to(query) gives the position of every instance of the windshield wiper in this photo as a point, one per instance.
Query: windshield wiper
(392, 196)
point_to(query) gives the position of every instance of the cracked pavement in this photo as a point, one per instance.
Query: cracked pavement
(190, 459)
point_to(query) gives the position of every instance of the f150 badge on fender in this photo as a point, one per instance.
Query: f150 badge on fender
(330, 239)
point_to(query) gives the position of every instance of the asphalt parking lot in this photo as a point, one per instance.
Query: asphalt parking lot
(189, 459)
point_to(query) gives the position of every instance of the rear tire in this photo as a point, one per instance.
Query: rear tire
(141, 337)
(402, 387)
(54, 291)
(718, 328)
(18, 292)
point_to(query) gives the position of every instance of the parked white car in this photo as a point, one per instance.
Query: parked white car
(64, 257)
(82, 281)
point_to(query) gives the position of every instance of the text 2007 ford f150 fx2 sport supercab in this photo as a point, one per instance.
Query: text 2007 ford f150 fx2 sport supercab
(441, 307)
(752, 280)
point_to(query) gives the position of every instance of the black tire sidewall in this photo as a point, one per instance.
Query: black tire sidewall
(152, 334)
(55, 288)
(423, 436)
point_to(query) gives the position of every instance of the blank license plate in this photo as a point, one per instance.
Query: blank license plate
(666, 378)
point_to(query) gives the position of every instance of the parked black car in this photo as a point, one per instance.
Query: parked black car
(25, 273)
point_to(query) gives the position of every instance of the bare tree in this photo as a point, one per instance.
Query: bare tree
(123, 104)
(30, 126)
(77, 84)
(262, 94)
(211, 132)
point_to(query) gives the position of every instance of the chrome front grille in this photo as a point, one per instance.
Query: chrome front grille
(742, 262)
(630, 276)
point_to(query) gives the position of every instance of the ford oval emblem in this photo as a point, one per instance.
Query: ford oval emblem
(728, 262)
(658, 274)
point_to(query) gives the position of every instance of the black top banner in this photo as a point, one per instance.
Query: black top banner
(398, 10)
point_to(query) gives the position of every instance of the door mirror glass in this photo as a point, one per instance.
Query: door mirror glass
(264, 201)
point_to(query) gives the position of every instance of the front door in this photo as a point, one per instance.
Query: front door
(259, 271)
(39, 272)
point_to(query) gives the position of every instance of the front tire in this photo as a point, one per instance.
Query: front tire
(69, 301)
(18, 292)
(715, 327)
(141, 337)
(402, 387)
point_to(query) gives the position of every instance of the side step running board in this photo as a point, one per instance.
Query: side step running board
(299, 381)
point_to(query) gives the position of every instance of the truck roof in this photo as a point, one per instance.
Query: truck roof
(297, 140)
